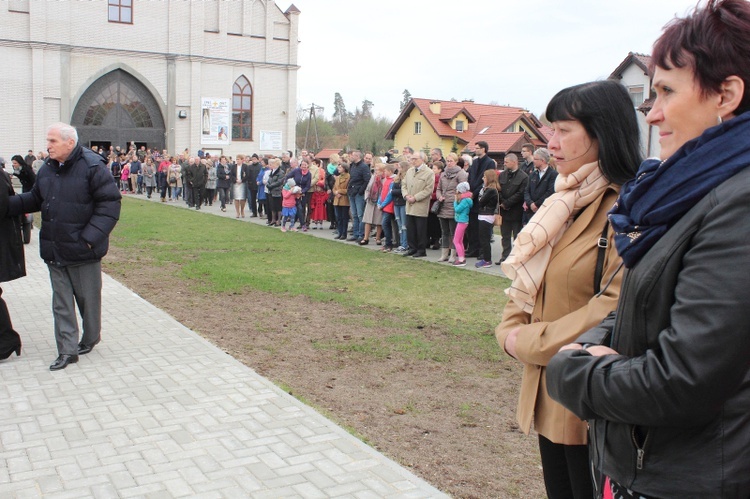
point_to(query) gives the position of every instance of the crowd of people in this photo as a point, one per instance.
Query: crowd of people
(626, 308)
(406, 202)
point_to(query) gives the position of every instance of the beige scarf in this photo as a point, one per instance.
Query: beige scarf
(527, 263)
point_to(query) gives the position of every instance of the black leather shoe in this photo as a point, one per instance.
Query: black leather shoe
(410, 253)
(419, 255)
(83, 348)
(63, 361)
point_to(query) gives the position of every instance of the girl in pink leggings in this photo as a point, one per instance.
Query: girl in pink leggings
(461, 205)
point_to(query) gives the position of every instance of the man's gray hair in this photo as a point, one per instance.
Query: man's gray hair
(423, 155)
(67, 132)
(410, 149)
(542, 154)
(512, 157)
(437, 150)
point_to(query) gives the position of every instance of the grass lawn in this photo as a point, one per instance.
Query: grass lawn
(221, 255)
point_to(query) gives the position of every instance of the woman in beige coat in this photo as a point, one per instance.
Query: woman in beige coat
(565, 278)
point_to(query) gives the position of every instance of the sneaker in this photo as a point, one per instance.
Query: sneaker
(400, 249)
(459, 263)
(283, 229)
(480, 264)
(487, 265)
(294, 229)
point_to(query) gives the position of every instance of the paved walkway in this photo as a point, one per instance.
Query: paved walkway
(156, 411)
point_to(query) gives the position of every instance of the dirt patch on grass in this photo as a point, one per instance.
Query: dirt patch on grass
(450, 420)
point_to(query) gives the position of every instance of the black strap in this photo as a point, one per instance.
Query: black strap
(602, 244)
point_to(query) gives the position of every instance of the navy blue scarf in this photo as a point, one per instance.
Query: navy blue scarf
(663, 191)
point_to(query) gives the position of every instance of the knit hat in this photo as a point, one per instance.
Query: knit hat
(462, 187)
(291, 183)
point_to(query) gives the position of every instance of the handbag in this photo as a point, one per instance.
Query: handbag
(498, 220)
(436, 207)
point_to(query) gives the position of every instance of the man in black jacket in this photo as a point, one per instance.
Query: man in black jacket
(512, 188)
(253, 170)
(197, 176)
(541, 184)
(80, 206)
(359, 177)
(481, 164)
(527, 153)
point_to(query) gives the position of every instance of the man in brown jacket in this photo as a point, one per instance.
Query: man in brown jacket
(417, 188)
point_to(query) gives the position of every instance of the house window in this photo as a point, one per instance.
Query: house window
(121, 11)
(636, 95)
(417, 128)
(459, 126)
(242, 110)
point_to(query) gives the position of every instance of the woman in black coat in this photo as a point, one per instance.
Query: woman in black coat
(12, 265)
(24, 172)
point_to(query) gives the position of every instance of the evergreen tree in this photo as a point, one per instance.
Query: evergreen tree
(405, 100)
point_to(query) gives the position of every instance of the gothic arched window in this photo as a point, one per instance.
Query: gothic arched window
(242, 110)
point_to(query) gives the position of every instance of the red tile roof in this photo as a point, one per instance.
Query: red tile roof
(501, 141)
(641, 60)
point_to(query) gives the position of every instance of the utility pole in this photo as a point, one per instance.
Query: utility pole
(314, 120)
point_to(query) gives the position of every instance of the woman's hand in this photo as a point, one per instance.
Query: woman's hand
(510, 342)
(594, 350)
(600, 350)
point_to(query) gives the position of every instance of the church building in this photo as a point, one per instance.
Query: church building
(168, 74)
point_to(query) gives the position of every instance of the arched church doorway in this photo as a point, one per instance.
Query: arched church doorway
(117, 109)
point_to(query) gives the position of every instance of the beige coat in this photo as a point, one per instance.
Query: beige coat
(419, 184)
(564, 310)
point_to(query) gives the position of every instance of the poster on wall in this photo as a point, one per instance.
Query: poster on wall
(215, 120)
(270, 140)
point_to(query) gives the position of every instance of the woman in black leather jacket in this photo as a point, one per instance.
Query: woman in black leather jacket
(665, 381)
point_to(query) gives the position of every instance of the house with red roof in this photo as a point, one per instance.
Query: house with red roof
(456, 126)
(634, 72)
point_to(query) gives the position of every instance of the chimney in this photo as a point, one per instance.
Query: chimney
(435, 107)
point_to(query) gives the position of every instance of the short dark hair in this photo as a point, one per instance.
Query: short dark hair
(528, 146)
(483, 145)
(713, 41)
(607, 114)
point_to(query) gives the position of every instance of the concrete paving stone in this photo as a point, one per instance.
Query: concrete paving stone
(285, 492)
(157, 477)
(30, 493)
(308, 491)
(178, 488)
(107, 469)
(193, 475)
(345, 489)
(19, 464)
(104, 491)
(125, 456)
(304, 457)
(329, 467)
(320, 479)
(121, 479)
(141, 490)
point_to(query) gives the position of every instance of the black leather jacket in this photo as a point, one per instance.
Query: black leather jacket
(670, 415)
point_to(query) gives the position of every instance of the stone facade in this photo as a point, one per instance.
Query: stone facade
(62, 59)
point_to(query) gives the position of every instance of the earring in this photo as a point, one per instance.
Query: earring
(719, 120)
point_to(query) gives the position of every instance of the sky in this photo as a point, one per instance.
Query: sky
(518, 53)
